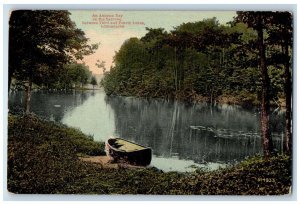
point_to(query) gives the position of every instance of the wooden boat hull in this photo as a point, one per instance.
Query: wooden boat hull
(141, 157)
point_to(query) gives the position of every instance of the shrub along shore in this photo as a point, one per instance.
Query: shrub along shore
(43, 158)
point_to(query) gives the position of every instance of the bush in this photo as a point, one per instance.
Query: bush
(42, 156)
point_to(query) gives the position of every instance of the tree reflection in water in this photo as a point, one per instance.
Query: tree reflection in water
(198, 132)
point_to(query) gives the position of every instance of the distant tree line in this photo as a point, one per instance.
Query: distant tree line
(70, 76)
(247, 61)
(74, 75)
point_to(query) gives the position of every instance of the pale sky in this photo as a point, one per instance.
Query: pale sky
(111, 39)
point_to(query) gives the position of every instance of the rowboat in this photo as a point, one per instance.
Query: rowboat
(121, 150)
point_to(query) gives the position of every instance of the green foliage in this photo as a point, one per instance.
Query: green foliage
(79, 74)
(199, 60)
(185, 63)
(101, 65)
(41, 42)
(254, 176)
(93, 81)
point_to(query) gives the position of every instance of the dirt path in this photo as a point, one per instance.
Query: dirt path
(105, 162)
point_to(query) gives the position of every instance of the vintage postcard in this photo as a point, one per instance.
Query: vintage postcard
(153, 102)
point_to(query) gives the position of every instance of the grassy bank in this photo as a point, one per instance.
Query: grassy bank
(43, 158)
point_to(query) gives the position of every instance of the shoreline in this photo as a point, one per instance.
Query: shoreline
(39, 151)
(221, 100)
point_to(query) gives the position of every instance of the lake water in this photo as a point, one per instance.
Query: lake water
(182, 136)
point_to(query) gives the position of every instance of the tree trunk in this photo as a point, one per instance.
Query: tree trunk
(175, 71)
(265, 100)
(28, 86)
(212, 95)
(9, 83)
(288, 98)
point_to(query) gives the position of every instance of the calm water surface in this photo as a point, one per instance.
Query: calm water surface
(182, 136)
